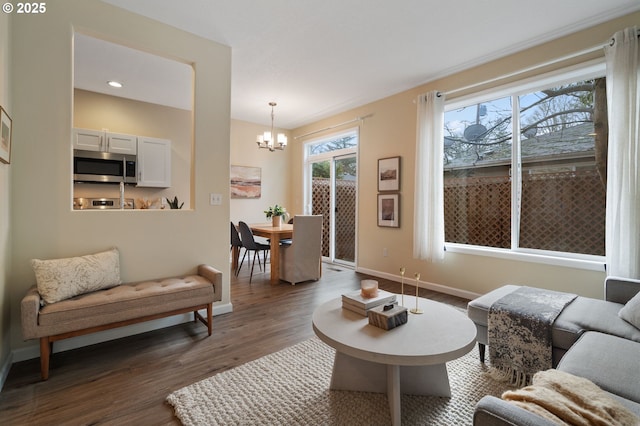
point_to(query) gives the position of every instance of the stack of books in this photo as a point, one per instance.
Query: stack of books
(360, 305)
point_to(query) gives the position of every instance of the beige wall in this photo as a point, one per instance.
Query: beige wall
(391, 131)
(276, 175)
(119, 115)
(152, 244)
(5, 217)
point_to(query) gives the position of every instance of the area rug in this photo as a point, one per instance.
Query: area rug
(291, 387)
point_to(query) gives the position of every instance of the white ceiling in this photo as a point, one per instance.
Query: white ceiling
(317, 58)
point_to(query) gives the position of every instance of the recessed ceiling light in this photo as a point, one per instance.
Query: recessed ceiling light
(114, 83)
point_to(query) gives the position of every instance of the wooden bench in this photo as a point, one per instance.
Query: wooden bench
(118, 306)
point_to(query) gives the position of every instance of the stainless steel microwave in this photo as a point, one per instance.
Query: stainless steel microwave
(103, 167)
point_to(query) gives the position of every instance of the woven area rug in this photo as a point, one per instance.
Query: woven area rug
(291, 387)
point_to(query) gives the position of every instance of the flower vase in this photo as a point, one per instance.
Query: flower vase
(276, 221)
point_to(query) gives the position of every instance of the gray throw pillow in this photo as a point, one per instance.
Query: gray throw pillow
(631, 311)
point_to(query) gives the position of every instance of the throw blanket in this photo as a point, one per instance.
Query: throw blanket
(570, 400)
(519, 332)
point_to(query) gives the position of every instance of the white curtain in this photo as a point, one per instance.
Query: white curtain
(428, 215)
(623, 167)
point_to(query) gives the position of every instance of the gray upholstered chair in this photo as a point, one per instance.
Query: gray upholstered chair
(301, 260)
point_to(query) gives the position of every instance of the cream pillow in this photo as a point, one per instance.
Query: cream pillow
(60, 279)
(631, 311)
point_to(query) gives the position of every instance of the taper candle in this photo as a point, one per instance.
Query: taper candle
(416, 310)
(402, 271)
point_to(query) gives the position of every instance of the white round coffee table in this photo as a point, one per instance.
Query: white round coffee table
(408, 359)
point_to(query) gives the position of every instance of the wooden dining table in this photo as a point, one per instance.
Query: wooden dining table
(274, 234)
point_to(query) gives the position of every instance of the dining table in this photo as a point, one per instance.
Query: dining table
(274, 234)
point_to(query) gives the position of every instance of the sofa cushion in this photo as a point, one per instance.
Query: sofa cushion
(599, 315)
(60, 279)
(631, 311)
(611, 362)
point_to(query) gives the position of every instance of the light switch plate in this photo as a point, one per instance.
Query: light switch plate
(215, 199)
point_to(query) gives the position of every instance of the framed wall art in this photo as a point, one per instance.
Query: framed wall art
(246, 182)
(389, 210)
(389, 174)
(5, 136)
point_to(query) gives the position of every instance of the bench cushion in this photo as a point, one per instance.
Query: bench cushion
(122, 303)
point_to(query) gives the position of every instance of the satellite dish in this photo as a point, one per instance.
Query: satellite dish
(530, 132)
(475, 132)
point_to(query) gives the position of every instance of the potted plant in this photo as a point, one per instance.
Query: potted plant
(174, 204)
(275, 213)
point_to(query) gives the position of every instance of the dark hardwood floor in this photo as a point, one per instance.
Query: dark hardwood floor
(126, 381)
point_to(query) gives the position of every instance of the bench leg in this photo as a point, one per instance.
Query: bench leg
(208, 321)
(481, 350)
(45, 354)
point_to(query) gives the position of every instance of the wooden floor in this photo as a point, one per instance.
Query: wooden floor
(126, 381)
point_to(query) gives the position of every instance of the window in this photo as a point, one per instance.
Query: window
(523, 170)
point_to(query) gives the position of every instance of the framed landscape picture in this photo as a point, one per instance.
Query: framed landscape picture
(246, 182)
(389, 174)
(5, 136)
(389, 210)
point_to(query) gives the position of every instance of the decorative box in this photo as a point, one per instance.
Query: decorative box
(387, 316)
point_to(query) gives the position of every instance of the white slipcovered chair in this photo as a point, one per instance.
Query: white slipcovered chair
(301, 260)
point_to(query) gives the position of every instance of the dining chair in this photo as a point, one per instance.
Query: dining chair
(301, 260)
(237, 243)
(251, 245)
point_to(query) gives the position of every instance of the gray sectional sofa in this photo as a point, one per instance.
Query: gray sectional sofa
(590, 340)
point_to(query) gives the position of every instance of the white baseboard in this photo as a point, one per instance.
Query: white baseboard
(422, 284)
(6, 365)
(33, 351)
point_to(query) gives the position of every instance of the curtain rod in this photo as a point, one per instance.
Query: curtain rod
(526, 70)
(534, 67)
(333, 127)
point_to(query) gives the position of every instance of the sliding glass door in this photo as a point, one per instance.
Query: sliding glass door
(332, 192)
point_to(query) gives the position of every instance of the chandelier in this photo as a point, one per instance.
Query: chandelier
(266, 140)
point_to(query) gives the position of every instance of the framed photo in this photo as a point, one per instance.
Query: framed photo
(5, 136)
(246, 182)
(389, 210)
(389, 174)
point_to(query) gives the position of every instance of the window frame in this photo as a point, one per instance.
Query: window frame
(584, 71)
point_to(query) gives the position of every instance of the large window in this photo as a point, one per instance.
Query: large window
(523, 170)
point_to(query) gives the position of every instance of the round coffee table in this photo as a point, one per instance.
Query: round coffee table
(408, 359)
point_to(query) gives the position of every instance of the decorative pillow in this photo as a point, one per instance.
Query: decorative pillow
(60, 279)
(631, 311)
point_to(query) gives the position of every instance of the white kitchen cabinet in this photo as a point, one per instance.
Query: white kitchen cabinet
(154, 162)
(101, 141)
(122, 144)
(88, 140)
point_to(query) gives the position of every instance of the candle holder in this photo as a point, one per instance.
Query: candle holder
(416, 310)
(402, 271)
